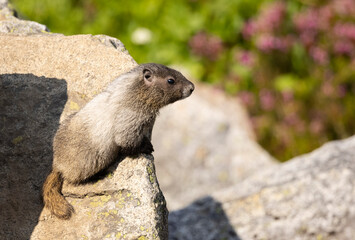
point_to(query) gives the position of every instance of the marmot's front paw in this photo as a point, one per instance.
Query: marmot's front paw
(146, 146)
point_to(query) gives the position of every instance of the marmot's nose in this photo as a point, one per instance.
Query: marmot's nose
(192, 88)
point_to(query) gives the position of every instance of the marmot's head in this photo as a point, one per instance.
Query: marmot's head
(162, 85)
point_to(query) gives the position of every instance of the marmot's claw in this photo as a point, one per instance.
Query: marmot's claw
(146, 146)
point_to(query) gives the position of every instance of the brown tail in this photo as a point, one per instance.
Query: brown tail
(53, 198)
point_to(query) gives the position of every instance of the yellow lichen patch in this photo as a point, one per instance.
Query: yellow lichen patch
(281, 193)
(121, 201)
(142, 238)
(151, 179)
(74, 106)
(248, 207)
(88, 213)
(110, 175)
(73, 202)
(105, 214)
(99, 201)
(44, 31)
(97, 182)
(83, 237)
(223, 127)
(83, 96)
(105, 198)
(223, 176)
(141, 228)
(151, 174)
(113, 211)
(96, 204)
(118, 235)
(17, 140)
(122, 220)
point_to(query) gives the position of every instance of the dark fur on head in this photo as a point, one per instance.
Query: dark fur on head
(159, 86)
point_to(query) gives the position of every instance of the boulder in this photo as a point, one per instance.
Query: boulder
(9, 23)
(308, 197)
(203, 144)
(44, 78)
(124, 203)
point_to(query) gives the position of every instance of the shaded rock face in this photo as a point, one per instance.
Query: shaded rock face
(309, 197)
(204, 219)
(30, 110)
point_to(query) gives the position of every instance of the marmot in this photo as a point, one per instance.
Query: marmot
(117, 122)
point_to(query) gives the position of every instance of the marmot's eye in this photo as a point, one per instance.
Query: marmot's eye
(171, 81)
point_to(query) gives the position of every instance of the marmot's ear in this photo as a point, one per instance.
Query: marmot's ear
(147, 75)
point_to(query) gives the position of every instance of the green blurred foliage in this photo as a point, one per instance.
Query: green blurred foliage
(290, 62)
(171, 23)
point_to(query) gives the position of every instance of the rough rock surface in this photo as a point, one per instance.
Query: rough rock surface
(309, 197)
(203, 144)
(44, 78)
(9, 23)
(87, 63)
(129, 205)
(125, 204)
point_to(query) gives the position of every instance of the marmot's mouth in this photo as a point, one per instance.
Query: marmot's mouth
(188, 91)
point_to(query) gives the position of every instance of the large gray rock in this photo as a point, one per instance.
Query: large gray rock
(44, 78)
(203, 144)
(309, 197)
(9, 23)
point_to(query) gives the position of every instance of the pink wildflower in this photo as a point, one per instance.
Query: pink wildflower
(345, 30)
(344, 47)
(245, 58)
(307, 21)
(271, 16)
(248, 29)
(206, 46)
(268, 43)
(319, 55)
(247, 98)
(267, 99)
(316, 126)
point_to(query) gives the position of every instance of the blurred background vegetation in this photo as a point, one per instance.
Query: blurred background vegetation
(292, 63)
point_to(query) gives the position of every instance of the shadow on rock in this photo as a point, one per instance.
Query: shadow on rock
(30, 108)
(203, 219)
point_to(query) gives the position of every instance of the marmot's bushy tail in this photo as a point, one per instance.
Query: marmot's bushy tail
(53, 198)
